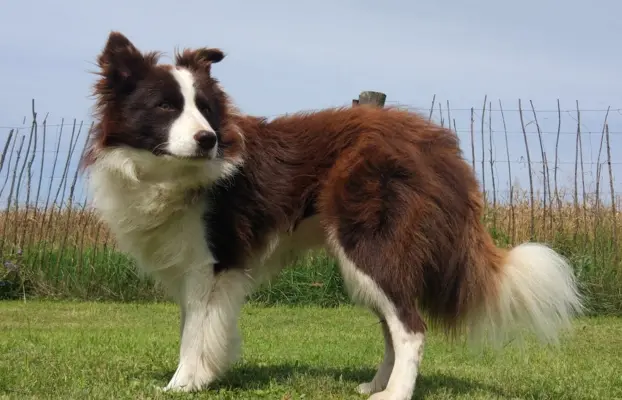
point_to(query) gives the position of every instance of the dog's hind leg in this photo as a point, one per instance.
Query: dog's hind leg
(403, 328)
(380, 380)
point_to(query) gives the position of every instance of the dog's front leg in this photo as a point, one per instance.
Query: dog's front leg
(210, 340)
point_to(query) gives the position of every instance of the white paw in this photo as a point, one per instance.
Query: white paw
(369, 388)
(386, 395)
(187, 379)
(364, 388)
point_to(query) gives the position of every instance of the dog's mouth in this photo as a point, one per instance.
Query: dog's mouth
(198, 156)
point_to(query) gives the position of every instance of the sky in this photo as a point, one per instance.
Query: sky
(285, 56)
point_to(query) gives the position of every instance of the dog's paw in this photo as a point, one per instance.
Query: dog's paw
(189, 379)
(385, 395)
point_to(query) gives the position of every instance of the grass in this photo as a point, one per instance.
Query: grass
(112, 276)
(97, 274)
(74, 350)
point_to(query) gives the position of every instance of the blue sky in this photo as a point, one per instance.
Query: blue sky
(286, 56)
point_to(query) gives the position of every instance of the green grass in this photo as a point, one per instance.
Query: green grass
(125, 351)
(112, 276)
(312, 280)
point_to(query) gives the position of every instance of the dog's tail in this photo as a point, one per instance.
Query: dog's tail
(493, 293)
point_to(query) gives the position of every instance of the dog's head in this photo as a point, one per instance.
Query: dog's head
(168, 111)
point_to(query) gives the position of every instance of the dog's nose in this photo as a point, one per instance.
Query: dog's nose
(206, 139)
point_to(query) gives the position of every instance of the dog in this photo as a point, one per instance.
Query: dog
(213, 203)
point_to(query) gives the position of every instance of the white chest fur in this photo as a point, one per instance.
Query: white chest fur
(154, 221)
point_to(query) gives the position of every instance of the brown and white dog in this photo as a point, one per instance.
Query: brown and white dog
(212, 203)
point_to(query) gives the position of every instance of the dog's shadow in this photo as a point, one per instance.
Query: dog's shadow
(253, 377)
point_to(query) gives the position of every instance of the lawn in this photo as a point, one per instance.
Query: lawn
(126, 351)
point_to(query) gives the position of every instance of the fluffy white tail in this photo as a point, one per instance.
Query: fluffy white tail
(536, 290)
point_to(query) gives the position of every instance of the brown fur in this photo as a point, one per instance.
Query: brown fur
(405, 205)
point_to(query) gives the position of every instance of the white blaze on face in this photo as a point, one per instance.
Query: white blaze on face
(181, 141)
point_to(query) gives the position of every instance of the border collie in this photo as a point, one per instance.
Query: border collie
(213, 203)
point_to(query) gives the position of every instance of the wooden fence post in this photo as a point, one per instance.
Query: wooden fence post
(370, 97)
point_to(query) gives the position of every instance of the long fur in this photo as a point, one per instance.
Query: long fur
(383, 190)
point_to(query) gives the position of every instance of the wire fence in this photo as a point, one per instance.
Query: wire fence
(544, 173)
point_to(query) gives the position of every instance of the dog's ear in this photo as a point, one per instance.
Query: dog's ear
(201, 58)
(210, 55)
(121, 64)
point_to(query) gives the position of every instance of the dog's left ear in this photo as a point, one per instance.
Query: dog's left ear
(210, 55)
(201, 58)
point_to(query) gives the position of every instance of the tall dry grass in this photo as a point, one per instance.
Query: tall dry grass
(51, 243)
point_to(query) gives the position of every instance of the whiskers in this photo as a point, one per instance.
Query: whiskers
(161, 148)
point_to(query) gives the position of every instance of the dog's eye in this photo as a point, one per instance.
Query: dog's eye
(165, 106)
(206, 109)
